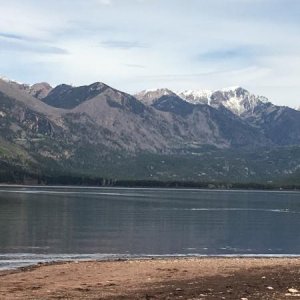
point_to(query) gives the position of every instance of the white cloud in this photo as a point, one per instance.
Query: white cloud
(105, 2)
(135, 44)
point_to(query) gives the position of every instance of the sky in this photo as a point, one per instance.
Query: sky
(144, 44)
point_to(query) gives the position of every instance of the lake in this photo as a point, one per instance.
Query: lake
(62, 223)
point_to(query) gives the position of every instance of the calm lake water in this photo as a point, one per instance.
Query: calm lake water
(50, 223)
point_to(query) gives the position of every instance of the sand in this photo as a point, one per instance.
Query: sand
(193, 278)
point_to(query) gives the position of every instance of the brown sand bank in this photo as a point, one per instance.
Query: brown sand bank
(203, 278)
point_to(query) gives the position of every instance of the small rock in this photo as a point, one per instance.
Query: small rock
(270, 288)
(179, 290)
(292, 295)
(111, 284)
(264, 277)
(293, 291)
(244, 298)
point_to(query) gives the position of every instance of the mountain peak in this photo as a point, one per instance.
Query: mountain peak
(150, 95)
(196, 96)
(4, 78)
(68, 97)
(37, 90)
(97, 85)
(236, 99)
(40, 90)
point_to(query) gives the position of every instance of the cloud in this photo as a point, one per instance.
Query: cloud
(8, 35)
(135, 66)
(105, 2)
(122, 44)
(172, 43)
(224, 72)
(20, 46)
(241, 52)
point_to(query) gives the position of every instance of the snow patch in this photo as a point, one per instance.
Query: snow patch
(162, 92)
(196, 96)
(149, 96)
(4, 78)
(236, 99)
(12, 80)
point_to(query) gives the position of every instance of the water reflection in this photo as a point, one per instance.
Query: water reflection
(137, 221)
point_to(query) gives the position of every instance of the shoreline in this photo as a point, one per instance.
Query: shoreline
(166, 188)
(53, 259)
(168, 278)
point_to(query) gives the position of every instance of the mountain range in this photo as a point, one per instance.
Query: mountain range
(224, 135)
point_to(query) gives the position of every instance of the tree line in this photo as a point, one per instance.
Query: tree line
(17, 175)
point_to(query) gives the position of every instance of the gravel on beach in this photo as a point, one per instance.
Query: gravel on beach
(184, 278)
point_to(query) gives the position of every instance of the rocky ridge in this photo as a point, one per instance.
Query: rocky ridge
(92, 126)
(236, 99)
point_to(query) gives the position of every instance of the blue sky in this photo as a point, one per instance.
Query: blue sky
(138, 44)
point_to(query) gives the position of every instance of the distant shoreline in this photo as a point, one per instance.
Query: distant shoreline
(24, 265)
(172, 278)
(162, 187)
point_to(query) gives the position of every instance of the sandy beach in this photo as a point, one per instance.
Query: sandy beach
(193, 278)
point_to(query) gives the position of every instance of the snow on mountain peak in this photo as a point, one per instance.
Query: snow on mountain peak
(37, 90)
(148, 96)
(236, 99)
(196, 96)
(161, 91)
(4, 78)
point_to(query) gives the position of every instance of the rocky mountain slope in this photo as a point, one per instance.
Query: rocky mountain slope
(37, 90)
(97, 129)
(278, 124)
(236, 99)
